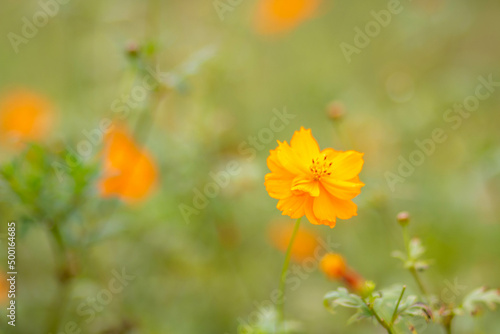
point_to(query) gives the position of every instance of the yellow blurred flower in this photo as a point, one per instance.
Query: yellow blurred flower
(279, 16)
(24, 116)
(129, 172)
(304, 246)
(318, 184)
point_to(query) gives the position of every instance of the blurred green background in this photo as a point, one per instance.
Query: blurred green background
(225, 80)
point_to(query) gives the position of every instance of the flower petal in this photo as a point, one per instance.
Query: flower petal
(290, 160)
(342, 189)
(346, 165)
(279, 16)
(306, 185)
(313, 219)
(131, 183)
(129, 172)
(327, 206)
(279, 185)
(272, 161)
(304, 144)
(293, 206)
(279, 182)
(331, 153)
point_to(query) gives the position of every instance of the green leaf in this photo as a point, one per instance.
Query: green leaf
(399, 255)
(266, 323)
(408, 306)
(418, 310)
(341, 297)
(421, 265)
(474, 301)
(416, 249)
(361, 314)
(412, 259)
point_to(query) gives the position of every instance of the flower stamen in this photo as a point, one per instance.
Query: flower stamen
(320, 167)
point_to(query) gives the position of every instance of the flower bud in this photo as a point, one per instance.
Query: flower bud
(132, 49)
(403, 218)
(368, 288)
(335, 110)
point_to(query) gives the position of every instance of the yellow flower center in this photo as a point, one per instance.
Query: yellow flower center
(320, 167)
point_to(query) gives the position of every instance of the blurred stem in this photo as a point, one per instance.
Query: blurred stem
(412, 268)
(56, 233)
(281, 297)
(395, 314)
(345, 140)
(406, 238)
(64, 262)
(153, 19)
(415, 275)
(447, 323)
(381, 321)
(58, 308)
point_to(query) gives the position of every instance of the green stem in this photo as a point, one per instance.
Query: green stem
(281, 297)
(395, 314)
(412, 269)
(447, 324)
(415, 275)
(406, 238)
(56, 233)
(63, 292)
(58, 307)
(388, 327)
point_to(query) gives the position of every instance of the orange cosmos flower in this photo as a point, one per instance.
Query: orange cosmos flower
(305, 243)
(335, 267)
(278, 16)
(318, 184)
(129, 171)
(24, 116)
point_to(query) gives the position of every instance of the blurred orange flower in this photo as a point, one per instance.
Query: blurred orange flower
(4, 288)
(278, 16)
(129, 172)
(318, 184)
(304, 246)
(24, 116)
(335, 267)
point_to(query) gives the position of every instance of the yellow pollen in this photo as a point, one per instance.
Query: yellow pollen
(320, 167)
